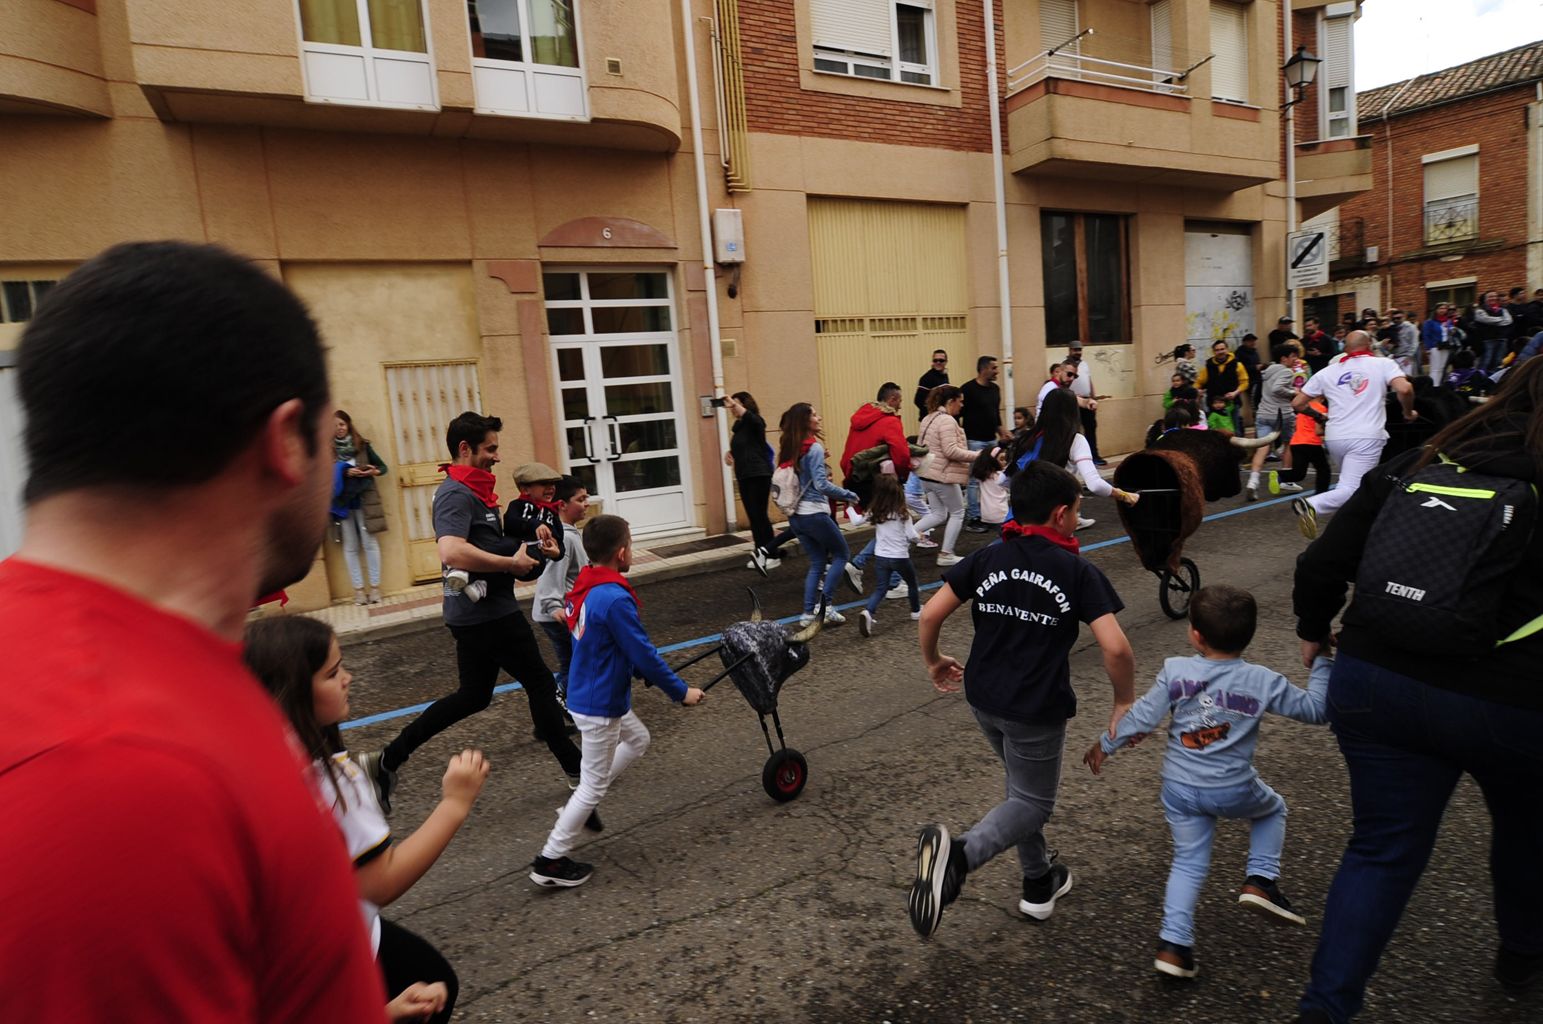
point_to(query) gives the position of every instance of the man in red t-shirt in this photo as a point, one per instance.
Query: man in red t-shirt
(164, 858)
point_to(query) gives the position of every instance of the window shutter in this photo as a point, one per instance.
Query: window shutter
(1449, 179)
(1229, 41)
(860, 25)
(1057, 22)
(1335, 72)
(1162, 35)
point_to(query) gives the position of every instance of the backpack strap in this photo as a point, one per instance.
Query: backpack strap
(1524, 631)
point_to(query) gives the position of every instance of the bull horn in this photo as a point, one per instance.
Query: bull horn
(812, 630)
(755, 606)
(1250, 443)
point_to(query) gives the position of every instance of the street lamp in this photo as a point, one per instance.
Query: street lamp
(1299, 72)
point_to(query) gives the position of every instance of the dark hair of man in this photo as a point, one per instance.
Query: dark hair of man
(747, 400)
(1219, 341)
(1224, 617)
(797, 427)
(983, 362)
(1517, 291)
(1310, 320)
(1510, 422)
(1463, 359)
(604, 536)
(1039, 489)
(123, 348)
(567, 487)
(285, 653)
(1250, 337)
(471, 427)
(940, 396)
(940, 352)
(886, 390)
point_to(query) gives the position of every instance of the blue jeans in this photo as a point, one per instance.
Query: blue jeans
(972, 496)
(1032, 756)
(885, 569)
(1406, 745)
(1192, 812)
(822, 541)
(862, 559)
(1494, 351)
(562, 644)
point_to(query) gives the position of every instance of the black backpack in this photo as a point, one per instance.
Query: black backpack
(1433, 576)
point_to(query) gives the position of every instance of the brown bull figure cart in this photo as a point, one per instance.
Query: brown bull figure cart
(1175, 477)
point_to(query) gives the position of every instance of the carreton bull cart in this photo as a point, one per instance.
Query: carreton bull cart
(760, 656)
(1175, 477)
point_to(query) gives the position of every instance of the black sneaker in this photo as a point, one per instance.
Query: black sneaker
(382, 778)
(1175, 960)
(1518, 972)
(561, 873)
(940, 871)
(1040, 894)
(1314, 1017)
(1263, 895)
(976, 526)
(593, 822)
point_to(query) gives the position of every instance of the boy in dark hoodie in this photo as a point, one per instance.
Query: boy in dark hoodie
(532, 518)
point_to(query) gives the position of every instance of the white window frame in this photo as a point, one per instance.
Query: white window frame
(34, 296)
(371, 56)
(1247, 55)
(890, 63)
(1444, 155)
(486, 71)
(1349, 116)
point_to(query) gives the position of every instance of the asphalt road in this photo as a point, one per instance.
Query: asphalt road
(710, 902)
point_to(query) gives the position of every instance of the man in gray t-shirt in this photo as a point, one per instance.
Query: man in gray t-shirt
(490, 633)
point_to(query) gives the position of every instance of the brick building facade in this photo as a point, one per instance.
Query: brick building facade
(1457, 195)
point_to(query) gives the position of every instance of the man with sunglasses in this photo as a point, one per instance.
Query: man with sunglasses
(1061, 376)
(934, 377)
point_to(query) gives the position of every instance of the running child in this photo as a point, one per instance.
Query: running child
(299, 662)
(1030, 594)
(990, 470)
(1215, 700)
(572, 501)
(609, 646)
(893, 535)
(1306, 452)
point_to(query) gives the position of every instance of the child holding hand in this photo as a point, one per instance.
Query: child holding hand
(893, 535)
(1214, 701)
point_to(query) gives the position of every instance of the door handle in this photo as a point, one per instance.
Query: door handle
(614, 430)
(589, 441)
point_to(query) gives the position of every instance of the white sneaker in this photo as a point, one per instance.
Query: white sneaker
(757, 561)
(948, 558)
(833, 617)
(916, 616)
(772, 563)
(806, 619)
(926, 542)
(898, 593)
(1083, 524)
(866, 622)
(1289, 487)
(854, 577)
(475, 590)
(456, 579)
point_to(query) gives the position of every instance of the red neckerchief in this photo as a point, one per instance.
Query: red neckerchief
(550, 506)
(1356, 355)
(1443, 319)
(1059, 539)
(803, 450)
(478, 481)
(590, 577)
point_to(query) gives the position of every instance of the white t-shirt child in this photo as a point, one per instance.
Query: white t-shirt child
(358, 815)
(993, 499)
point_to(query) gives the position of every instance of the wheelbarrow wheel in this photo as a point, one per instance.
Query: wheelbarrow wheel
(784, 776)
(1176, 589)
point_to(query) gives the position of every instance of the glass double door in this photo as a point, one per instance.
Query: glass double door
(617, 370)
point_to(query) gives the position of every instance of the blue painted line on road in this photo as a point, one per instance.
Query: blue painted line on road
(702, 641)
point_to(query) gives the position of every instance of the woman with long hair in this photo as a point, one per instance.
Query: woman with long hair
(1416, 708)
(948, 468)
(751, 458)
(811, 521)
(356, 504)
(1057, 439)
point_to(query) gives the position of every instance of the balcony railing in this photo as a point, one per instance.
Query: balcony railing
(1110, 60)
(1448, 221)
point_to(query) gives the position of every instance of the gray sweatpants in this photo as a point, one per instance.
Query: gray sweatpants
(1032, 757)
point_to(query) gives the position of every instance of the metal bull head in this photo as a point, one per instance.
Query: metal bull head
(1175, 478)
(759, 656)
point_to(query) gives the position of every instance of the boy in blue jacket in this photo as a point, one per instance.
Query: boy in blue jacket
(609, 646)
(1216, 700)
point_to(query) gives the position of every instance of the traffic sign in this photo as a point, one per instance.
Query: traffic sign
(1307, 259)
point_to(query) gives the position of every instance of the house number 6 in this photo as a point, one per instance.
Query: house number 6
(605, 232)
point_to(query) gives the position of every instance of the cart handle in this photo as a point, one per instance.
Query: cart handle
(693, 660)
(719, 677)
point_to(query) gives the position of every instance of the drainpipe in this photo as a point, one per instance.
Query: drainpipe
(1387, 136)
(1004, 292)
(1291, 156)
(715, 338)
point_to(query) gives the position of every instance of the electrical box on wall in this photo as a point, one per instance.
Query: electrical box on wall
(728, 236)
(1372, 252)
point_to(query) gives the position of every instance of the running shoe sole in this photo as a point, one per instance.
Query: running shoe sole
(1174, 970)
(1260, 903)
(1307, 518)
(553, 882)
(925, 901)
(865, 623)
